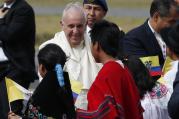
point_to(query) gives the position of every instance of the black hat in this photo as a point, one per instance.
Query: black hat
(171, 37)
(102, 3)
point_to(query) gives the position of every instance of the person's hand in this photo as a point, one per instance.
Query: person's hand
(12, 115)
(3, 12)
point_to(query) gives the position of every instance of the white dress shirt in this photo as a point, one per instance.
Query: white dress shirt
(159, 40)
(3, 57)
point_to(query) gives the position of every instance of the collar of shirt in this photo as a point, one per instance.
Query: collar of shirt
(88, 29)
(8, 6)
(153, 31)
(159, 39)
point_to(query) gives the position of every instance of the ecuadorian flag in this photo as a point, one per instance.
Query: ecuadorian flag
(16, 91)
(152, 63)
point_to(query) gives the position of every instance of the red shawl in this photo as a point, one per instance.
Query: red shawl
(113, 95)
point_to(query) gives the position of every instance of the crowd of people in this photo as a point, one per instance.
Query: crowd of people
(95, 57)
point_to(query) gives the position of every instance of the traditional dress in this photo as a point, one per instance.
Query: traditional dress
(113, 95)
(51, 100)
(155, 102)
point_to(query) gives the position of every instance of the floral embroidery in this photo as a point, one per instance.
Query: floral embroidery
(33, 113)
(158, 91)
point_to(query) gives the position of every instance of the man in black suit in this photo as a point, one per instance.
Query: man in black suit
(17, 41)
(145, 40)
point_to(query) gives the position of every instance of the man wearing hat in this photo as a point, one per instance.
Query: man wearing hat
(95, 10)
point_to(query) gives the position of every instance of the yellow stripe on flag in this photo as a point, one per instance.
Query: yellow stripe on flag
(15, 91)
(152, 60)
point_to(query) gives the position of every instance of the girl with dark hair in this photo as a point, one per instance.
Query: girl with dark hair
(53, 97)
(113, 95)
(140, 75)
(154, 94)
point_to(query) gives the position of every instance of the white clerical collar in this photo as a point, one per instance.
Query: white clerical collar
(80, 46)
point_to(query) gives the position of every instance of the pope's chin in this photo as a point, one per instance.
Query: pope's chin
(75, 42)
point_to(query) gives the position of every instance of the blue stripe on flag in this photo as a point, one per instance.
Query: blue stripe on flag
(158, 68)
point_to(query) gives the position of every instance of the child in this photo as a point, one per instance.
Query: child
(113, 94)
(53, 97)
(154, 95)
(141, 75)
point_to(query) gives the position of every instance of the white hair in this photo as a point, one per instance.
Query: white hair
(77, 6)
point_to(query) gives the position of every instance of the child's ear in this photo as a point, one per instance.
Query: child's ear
(42, 70)
(96, 46)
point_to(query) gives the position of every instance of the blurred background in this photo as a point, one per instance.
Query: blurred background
(126, 13)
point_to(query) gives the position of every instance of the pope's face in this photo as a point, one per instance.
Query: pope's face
(74, 26)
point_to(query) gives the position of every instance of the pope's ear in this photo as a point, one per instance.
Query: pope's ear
(61, 23)
(97, 46)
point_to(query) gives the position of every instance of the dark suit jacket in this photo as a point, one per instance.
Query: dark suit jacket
(17, 34)
(173, 105)
(141, 42)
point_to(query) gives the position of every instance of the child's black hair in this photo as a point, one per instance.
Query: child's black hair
(51, 55)
(108, 35)
(50, 98)
(140, 74)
